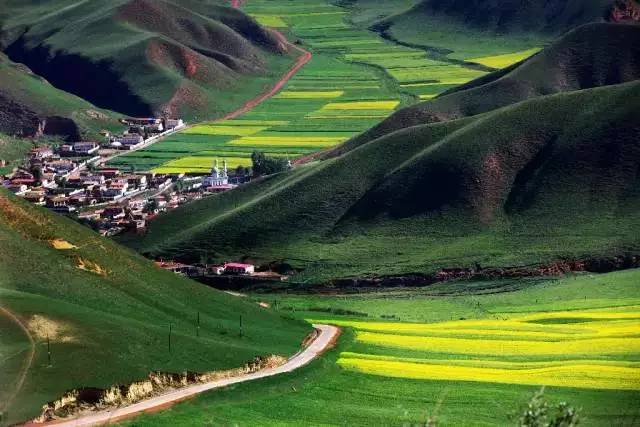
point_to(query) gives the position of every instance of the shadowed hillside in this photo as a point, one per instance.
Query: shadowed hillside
(507, 16)
(30, 106)
(141, 57)
(107, 312)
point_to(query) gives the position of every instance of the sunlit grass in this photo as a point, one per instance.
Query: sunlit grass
(503, 61)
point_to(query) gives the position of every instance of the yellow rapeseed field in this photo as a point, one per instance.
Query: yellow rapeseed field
(582, 348)
(274, 21)
(504, 347)
(310, 94)
(502, 61)
(361, 105)
(584, 375)
(289, 141)
(225, 130)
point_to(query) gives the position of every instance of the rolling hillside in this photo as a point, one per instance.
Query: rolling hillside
(30, 106)
(505, 16)
(590, 56)
(544, 179)
(141, 57)
(107, 312)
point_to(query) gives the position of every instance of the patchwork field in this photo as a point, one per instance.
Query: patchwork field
(355, 79)
(466, 353)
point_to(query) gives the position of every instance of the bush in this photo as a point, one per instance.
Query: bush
(539, 414)
(263, 165)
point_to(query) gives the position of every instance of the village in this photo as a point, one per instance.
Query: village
(73, 179)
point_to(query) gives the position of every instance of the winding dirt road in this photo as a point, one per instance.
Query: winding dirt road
(326, 337)
(303, 59)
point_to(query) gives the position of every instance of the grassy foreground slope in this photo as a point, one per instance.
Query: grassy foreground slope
(550, 177)
(29, 105)
(107, 313)
(142, 57)
(342, 388)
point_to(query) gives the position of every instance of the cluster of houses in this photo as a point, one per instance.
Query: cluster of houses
(70, 179)
(143, 131)
(230, 268)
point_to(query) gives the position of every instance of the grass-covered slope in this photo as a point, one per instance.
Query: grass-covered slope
(546, 178)
(590, 56)
(504, 16)
(106, 312)
(141, 57)
(30, 106)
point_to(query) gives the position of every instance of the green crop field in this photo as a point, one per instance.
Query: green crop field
(355, 79)
(466, 353)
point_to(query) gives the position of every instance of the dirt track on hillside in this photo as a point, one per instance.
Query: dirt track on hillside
(303, 59)
(326, 338)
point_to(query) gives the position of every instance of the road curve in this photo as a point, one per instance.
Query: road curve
(325, 338)
(301, 61)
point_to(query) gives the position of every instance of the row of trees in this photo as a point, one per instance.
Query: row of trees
(263, 165)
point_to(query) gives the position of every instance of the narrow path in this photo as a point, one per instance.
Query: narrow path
(29, 360)
(303, 59)
(326, 337)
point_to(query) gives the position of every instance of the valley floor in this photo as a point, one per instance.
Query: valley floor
(354, 80)
(464, 354)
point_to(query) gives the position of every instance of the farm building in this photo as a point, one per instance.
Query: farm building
(238, 268)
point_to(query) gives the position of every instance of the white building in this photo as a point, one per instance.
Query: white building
(174, 123)
(217, 178)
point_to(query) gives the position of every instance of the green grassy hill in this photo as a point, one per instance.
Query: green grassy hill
(495, 33)
(590, 56)
(505, 16)
(29, 105)
(139, 57)
(551, 177)
(106, 312)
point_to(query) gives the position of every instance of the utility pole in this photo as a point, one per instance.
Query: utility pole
(241, 326)
(198, 326)
(48, 350)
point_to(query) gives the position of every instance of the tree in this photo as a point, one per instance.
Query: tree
(263, 165)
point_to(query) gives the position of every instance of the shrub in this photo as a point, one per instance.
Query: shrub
(539, 414)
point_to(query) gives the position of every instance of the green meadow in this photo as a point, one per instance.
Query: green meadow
(355, 79)
(379, 382)
(108, 316)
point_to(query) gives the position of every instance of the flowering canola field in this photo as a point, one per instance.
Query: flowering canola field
(596, 349)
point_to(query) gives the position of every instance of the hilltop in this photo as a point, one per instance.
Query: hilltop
(141, 57)
(107, 312)
(526, 181)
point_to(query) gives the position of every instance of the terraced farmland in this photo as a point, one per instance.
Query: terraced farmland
(355, 79)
